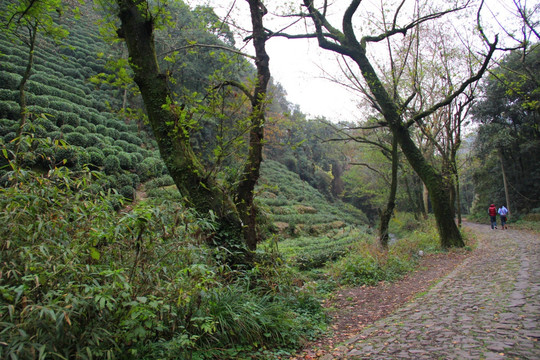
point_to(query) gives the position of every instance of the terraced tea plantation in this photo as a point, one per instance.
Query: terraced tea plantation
(310, 230)
(64, 105)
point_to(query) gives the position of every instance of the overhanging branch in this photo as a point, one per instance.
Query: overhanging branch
(238, 85)
(219, 47)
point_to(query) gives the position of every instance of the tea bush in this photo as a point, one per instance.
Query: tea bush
(76, 138)
(111, 165)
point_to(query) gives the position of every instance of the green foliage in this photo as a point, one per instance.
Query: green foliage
(315, 252)
(367, 264)
(283, 193)
(508, 134)
(76, 138)
(81, 280)
(111, 165)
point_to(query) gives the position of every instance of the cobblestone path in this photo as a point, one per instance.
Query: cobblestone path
(487, 308)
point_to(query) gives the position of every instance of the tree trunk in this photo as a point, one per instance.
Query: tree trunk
(168, 123)
(458, 201)
(245, 204)
(386, 214)
(440, 199)
(505, 182)
(22, 86)
(425, 200)
(414, 201)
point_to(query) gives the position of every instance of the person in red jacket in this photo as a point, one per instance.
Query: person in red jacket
(492, 212)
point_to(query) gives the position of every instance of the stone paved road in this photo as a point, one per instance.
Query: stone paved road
(487, 308)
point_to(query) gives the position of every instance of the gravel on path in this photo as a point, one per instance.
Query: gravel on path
(487, 308)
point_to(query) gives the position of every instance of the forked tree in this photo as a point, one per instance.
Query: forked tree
(171, 125)
(346, 42)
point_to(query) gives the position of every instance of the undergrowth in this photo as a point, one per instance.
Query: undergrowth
(81, 280)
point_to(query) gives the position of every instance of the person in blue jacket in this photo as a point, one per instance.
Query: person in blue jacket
(503, 212)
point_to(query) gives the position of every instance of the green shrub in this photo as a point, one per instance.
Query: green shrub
(9, 137)
(131, 148)
(116, 124)
(359, 269)
(109, 150)
(169, 193)
(127, 191)
(130, 138)
(7, 94)
(149, 168)
(91, 127)
(69, 155)
(9, 80)
(55, 135)
(9, 110)
(7, 126)
(137, 158)
(46, 124)
(93, 139)
(101, 129)
(290, 162)
(96, 158)
(124, 180)
(125, 160)
(165, 180)
(111, 165)
(69, 118)
(82, 130)
(75, 138)
(67, 129)
(113, 133)
(135, 180)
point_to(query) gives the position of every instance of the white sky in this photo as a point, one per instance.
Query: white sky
(297, 64)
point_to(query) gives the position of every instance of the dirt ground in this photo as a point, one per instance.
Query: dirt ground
(353, 309)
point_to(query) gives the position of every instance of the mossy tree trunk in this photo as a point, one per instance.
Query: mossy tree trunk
(386, 214)
(169, 123)
(245, 195)
(32, 37)
(440, 198)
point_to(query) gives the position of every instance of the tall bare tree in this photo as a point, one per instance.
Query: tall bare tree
(347, 43)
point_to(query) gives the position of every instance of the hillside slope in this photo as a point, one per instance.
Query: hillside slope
(64, 105)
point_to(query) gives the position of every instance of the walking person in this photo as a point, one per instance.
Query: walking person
(503, 212)
(492, 212)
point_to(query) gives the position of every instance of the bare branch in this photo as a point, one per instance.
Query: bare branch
(219, 47)
(525, 18)
(238, 85)
(370, 168)
(403, 30)
(461, 89)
